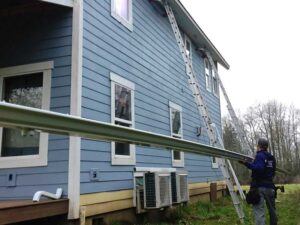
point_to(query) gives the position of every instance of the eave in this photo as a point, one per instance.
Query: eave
(189, 26)
(67, 3)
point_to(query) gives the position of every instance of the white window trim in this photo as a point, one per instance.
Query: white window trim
(120, 159)
(178, 108)
(127, 23)
(209, 86)
(176, 163)
(187, 39)
(214, 165)
(216, 90)
(42, 158)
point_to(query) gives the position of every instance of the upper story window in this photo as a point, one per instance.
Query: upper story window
(176, 131)
(188, 46)
(121, 10)
(27, 85)
(215, 83)
(207, 74)
(122, 112)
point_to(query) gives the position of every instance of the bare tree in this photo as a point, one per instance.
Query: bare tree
(276, 122)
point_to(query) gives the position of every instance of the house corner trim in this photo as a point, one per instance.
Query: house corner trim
(75, 109)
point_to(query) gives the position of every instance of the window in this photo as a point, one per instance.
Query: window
(122, 112)
(214, 163)
(176, 131)
(214, 160)
(188, 46)
(27, 85)
(121, 10)
(215, 83)
(207, 74)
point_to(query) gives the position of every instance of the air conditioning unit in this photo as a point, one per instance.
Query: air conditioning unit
(140, 206)
(180, 190)
(157, 190)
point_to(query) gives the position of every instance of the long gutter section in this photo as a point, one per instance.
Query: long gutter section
(21, 117)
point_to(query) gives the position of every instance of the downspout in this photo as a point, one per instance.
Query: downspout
(37, 196)
(75, 109)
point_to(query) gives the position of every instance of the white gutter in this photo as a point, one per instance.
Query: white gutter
(17, 116)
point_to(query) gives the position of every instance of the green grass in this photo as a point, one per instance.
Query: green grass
(222, 212)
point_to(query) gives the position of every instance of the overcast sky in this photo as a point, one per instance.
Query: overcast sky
(260, 39)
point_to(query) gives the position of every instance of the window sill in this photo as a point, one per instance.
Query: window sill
(124, 22)
(178, 163)
(123, 161)
(23, 161)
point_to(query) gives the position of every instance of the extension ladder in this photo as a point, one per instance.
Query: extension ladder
(236, 124)
(241, 192)
(202, 108)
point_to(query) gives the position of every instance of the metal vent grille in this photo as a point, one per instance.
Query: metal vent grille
(150, 195)
(174, 188)
(183, 188)
(164, 186)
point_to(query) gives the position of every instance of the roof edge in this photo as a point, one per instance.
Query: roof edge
(208, 44)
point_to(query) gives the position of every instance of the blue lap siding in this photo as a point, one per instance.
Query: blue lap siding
(149, 57)
(30, 38)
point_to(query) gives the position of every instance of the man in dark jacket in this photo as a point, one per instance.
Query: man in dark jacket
(263, 171)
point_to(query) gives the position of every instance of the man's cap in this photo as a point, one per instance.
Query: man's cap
(262, 142)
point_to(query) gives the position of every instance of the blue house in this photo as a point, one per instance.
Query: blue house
(114, 61)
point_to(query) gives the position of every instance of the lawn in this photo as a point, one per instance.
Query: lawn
(222, 212)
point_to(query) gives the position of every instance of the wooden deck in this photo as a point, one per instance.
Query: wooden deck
(25, 210)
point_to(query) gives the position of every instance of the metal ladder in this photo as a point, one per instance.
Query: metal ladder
(236, 124)
(202, 108)
(237, 183)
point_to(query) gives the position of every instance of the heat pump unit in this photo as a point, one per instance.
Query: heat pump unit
(180, 190)
(157, 190)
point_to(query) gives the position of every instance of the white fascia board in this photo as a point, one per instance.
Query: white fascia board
(68, 3)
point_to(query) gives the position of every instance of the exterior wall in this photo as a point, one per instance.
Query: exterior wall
(149, 57)
(30, 38)
(123, 207)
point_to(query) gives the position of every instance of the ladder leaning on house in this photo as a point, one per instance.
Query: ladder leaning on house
(230, 166)
(236, 124)
(203, 111)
